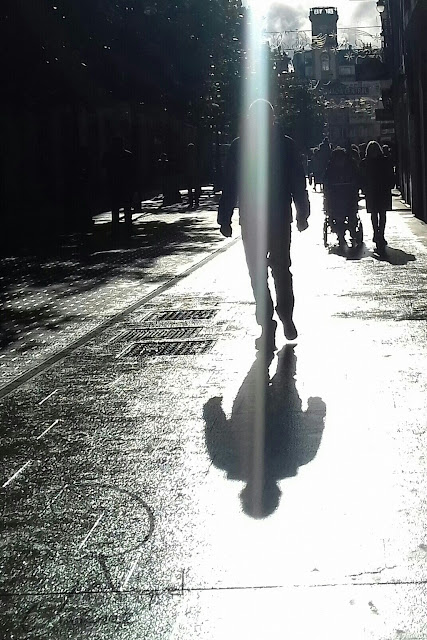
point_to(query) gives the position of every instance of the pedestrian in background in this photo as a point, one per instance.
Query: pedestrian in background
(354, 154)
(193, 182)
(120, 170)
(377, 179)
(341, 190)
(389, 158)
(265, 194)
(322, 159)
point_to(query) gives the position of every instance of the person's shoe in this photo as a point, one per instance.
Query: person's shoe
(381, 244)
(266, 341)
(290, 329)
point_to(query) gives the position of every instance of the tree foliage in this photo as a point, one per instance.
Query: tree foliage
(177, 54)
(300, 111)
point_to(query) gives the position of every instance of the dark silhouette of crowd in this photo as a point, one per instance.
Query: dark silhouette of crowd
(367, 167)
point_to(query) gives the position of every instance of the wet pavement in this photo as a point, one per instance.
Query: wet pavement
(139, 497)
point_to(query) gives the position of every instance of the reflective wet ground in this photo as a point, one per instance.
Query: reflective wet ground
(141, 498)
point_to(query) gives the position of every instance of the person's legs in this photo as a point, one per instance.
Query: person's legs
(190, 196)
(381, 228)
(115, 207)
(256, 260)
(197, 192)
(352, 223)
(339, 227)
(128, 214)
(374, 220)
(280, 262)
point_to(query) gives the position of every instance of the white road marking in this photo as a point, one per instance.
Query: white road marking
(47, 397)
(86, 538)
(48, 429)
(16, 474)
(59, 494)
(131, 570)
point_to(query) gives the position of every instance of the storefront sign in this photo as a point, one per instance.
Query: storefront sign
(353, 90)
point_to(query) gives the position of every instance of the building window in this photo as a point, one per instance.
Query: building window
(346, 71)
(325, 61)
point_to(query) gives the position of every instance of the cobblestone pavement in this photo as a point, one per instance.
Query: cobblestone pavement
(133, 503)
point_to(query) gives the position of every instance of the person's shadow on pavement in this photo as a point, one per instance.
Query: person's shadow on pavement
(395, 257)
(268, 436)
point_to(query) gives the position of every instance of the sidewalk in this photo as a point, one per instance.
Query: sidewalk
(131, 490)
(49, 302)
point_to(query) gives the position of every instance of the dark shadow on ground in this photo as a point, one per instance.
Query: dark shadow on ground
(349, 252)
(396, 257)
(268, 436)
(81, 262)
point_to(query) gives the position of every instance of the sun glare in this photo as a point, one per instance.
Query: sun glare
(255, 141)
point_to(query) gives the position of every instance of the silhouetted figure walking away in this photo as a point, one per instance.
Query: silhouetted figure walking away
(119, 165)
(377, 182)
(268, 436)
(167, 171)
(264, 173)
(323, 156)
(193, 182)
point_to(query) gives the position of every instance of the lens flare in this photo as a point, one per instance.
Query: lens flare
(256, 122)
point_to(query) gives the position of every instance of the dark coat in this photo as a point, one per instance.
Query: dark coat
(341, 187)
(377, 182)
(285, 182)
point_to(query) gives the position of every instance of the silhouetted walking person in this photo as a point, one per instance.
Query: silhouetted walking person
(377, 183)
(265, 174)
(119, 166)
(323, 156)
(193, 181)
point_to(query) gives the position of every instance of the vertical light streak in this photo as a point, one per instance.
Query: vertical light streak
(254, 183)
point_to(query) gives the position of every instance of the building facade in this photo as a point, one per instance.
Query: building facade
(405, 47)
(350, 81)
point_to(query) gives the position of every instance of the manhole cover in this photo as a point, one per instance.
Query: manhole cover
(182, 314)
(168, 348)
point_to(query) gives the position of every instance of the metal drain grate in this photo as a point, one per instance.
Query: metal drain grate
(159, 333)
(182, 314)
(168, 348)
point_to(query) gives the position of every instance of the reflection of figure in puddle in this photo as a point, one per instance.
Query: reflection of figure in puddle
(268, 436)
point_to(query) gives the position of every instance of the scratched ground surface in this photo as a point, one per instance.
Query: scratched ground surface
(142, 498)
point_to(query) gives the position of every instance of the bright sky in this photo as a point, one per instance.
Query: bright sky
(285, 15)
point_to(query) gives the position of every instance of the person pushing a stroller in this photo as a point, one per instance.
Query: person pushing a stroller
(341, 196)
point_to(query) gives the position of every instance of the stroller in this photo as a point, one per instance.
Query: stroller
(340, 201)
